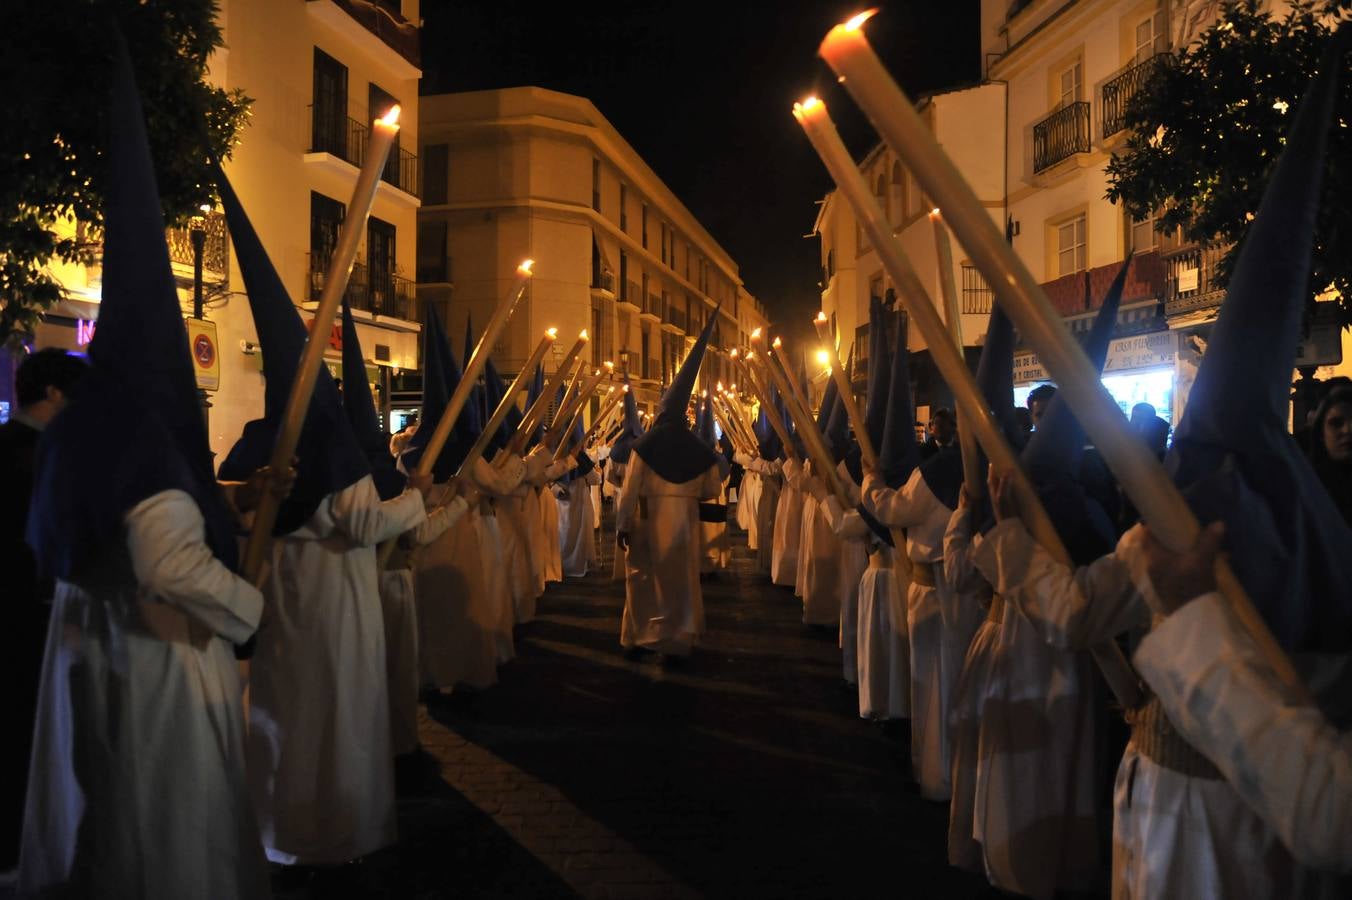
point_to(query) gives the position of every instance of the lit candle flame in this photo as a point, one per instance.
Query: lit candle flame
(391, 117)
(551, 333)
(824, 358)
(821, 316)
(583, 336)
(733, 353)
(525, 268)
(609, 365)
(934, 213)
(858, 21)
(626, 388)
(719, 387)
(777, 343)
(755, 335)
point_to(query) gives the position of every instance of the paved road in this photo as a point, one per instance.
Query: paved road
(744, 773)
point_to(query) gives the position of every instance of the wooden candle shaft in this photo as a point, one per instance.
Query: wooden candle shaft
(541, 405)
(259, 545)
(565, 408)
(846, 394)
(582, 397)
(505, 405)
(952, 366)
(1138, 471)
(972, 477)
(806, 427)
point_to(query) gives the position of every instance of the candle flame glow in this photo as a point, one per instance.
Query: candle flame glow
(625, 388)
(525, 268)
(858, 21)
(934, 213)
(609, 365)
(583, 336)
(391, 117)
(719, 387)
(821, 316)
(551, 333)
(777, 343)
(733, 353)
(755, 335)
(824, 357)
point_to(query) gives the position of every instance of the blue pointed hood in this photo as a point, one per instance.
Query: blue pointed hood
(995, 374)
(360, 407)
(879, 371)
(1054, 452)
(632, 428)
(898, 453)
(537, 387)
(494, 391)
(138, 404)
(668, 447)
(441, 376)
(1287, 542)
(328, 455)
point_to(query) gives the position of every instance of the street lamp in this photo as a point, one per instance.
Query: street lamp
(197, 233)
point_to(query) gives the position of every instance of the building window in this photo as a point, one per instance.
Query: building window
(329, 129)
(896, 199)
(1141, 234)
(596, 185)
(663, 233)
(326, 217)
(624, 275)
(1070, 246)
(687, 262)
(645, 342)
(624, 212)
(1151, 37)
(830, 264)
(977, 297)
(436, 168)
(434, 262)
(643, 224)
(378, 103)
(671, 254)
(380, 265)
(1069, 85)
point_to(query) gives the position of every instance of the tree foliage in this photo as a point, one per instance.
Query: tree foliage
(1207, 128)
(54, 63)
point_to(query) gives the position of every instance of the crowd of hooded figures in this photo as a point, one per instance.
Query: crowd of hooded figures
(149, 778)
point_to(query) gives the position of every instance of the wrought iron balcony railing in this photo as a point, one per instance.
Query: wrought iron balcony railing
(977, 296)
(1190, 277)
(333, 131)
(1118, 91)
(384, 19)
(215, 251)
(380, 293)
(1061, 135)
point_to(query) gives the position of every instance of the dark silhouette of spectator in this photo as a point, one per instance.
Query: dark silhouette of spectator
(43, 382)
(1330, 447)
(1039, 398)
(941, 433)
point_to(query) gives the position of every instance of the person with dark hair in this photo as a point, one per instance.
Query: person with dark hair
(1039, 398)
(941, 433)
(43, 382)
(1331, 447)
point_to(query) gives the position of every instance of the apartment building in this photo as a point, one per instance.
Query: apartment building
(319, 71)
(968, 123)
(528, 172)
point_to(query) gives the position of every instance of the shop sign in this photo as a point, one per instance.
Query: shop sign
(1187, 280)
(1141, 351)
(206, 353)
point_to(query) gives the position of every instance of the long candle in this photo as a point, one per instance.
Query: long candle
(771, 412)
(972, 476)
(846, 393)
(474, 366)
(728, 421)
(383, 132)
(580, 401)
(541, 404)
(806, 425)
(574, 385)
(508, 401)
(1162, 507)
(613, 398)
(821, 131)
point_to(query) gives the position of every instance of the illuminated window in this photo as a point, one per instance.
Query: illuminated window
(1070, 246)
(1070, 84)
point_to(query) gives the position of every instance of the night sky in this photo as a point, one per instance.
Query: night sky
(703, 92)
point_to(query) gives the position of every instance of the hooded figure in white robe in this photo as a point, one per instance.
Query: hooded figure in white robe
(318, 694)
(669, 472)
(137, 785)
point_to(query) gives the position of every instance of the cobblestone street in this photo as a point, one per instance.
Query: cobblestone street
(744, 773)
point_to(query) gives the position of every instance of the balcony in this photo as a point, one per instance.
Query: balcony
(337, 134)
(1061, 135)
(675, 319)
(215, 250)
(1118, 91)
(631, 296)
(603, 281)
(652, 308)
(1083, 292)
(379, 293)
(1190, 278)
(383, 19)
(977, 296)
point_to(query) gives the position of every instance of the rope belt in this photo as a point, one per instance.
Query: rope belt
(996, 613)
(1157, 740)
(922, 573)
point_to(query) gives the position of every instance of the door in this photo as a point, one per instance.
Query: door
(380, 265)
(329, 108)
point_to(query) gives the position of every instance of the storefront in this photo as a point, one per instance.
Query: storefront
(1141, 368)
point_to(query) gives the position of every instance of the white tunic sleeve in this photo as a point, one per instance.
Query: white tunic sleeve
(1070, 608)
(768, 467)
(167, 540)
(557, 470)
(960, 572)
(904, 508)
(359, 513)
(847, 524)
(1284, 759)
(438, 521)
(500, 479)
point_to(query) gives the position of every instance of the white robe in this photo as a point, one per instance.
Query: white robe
(577, 541)
(787, 525)
(934, 668)
(138, 744)
(549, 535)
(714, 549)
(748, 496)
(1024, 731)
(518, 515)
(498, 546)
(456, 618)
(663, 602)
(1174, 835)
(767, 507)
(319, 711)
(853, 537)
(884, 643)
(399, 607)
